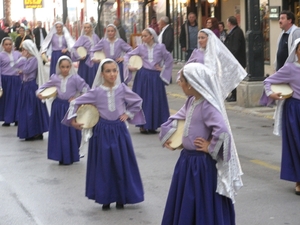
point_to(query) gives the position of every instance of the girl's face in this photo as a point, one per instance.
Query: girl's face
(64, 67)
(109, 74)
(59, 28)
(184, 85)
(298, 51)
(87, 29)
(111, 32)
(21, 32)
(202, 39)
(7, 45)
(146, 37)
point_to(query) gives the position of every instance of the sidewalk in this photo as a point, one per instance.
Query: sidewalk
(175, 91)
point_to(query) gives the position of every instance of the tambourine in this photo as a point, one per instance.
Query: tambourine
(285, 90)
(176, 138)
(1, 92)
(136, 61)
(82, 52)
(88, 115)
(49, 92)
(99, 55)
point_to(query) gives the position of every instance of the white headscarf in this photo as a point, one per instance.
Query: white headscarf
(205, 82)
(6, 38)
(117, 35)
(279, 109)
(46, 43)
(225, 66)
(10, 55)
(42, 77)
(82, 30)
(153, 33)
(72, 70)
(99, 78)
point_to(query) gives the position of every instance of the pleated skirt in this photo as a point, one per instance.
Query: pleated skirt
(120, 64)
(290, 161)
(192, 198)
(86, 72)
(11, 86)
(112, 170)
(64, 141)
(150, 87)
(33, 117)
(55, 55)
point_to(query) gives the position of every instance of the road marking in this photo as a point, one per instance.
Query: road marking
(265, 164)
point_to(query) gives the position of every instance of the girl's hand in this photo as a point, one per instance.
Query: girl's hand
(276, 96)
(157, 67)
(124, 117)
(132, 69)
(167, 145)
(64, 50)
(40, 96)
(121, 59)
(72, 98)
(76, 125)
(201, 144)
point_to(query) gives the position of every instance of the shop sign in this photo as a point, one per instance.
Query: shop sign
(33, 4)
(274, 12)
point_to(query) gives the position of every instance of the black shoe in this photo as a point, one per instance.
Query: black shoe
(119, 206)
(106, 207)
(16, 123)
(143, 131)
(152, 131)
(5, 124)
(231, 99)
(37, 137)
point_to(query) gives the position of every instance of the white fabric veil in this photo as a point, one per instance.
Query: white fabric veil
(10, 55)
(225, 66)
(99, 78)
(6, 38)
(205, 82)
(116, 29)
(47, 42)
(153, 33)
(82, 30)
(72, 70)
(42, 77)
(279, 109)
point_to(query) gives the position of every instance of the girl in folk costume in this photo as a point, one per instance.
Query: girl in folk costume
(287, 120)
(113, 47)
(10, 82)
(112, 170)
(87, 40)
(64, 142)
(150, 80)
(207, 174)
(33, 117)
(59, 41)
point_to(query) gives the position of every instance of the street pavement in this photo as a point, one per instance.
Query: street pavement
(34, 190)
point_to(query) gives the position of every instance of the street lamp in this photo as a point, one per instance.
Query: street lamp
(212, 7)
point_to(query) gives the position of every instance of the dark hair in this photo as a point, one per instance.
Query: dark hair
(297, 46)
(69, 60)
(232, 20)
(289, 15)
(214, 22)
(108, 62)
(222, 24)
(22, 28)
(190, 13)
(182, 74)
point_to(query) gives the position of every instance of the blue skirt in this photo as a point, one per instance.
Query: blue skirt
(112, 170)
(86, 72)
(33, 116)
(290, 161)
(149, 86)
(54, 58)
(120, 64)
(64, 141)
(11, 86)
(192, 198)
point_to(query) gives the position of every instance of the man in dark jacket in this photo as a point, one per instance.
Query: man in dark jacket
(166, 35)
(39, 34)
(235, 42)
(117, 23)
(189, 35)
(2, 34)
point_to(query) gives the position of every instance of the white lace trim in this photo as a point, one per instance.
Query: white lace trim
(189, 116)
(150, 52)
(11, 59)
(63, 83)
(60, 40)
(70, 112)
(91, 40)
(110, 93)
(129, 114)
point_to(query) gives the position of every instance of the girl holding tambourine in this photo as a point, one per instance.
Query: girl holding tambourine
(63, 142)
(112, 171)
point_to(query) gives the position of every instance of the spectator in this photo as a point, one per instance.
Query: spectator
(16, 27)
(29, 33)
(39, 34)
(235, 42)
(223, 32)
(154, 24)
(188, 35)
(3, 34)
(121, 30)
(166, 35)
(93, 21)
(21, 37)
(212, 24)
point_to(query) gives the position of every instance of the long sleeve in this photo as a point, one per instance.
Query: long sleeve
(166, 72)
(127, 73)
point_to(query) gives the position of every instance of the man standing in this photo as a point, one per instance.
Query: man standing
(290, 32)
(154, 24)
(236, 44)
(189, 35)
(2, 34)
(166, 35)
(121, 30)
(39, 34)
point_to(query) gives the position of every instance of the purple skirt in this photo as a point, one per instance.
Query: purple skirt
(192, 198)
(149, 86)
(33, 117)
(112, 171)
(86, 72)
(290, 161)
(54, 58)
(64, 141)
(11, 86)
